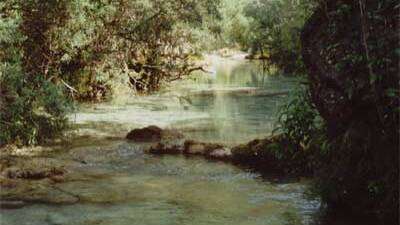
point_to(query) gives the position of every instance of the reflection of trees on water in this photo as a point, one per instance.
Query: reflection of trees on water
(255, 78)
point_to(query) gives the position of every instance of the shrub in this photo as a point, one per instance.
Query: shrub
(31, 112)
(298, 121)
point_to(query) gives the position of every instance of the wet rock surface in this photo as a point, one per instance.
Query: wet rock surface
(258, 150)
(270, 155)
(191, 147)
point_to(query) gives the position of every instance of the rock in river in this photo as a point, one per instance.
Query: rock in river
(190, 147)
(153, 134)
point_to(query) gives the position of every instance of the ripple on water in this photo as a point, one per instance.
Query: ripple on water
(129, 187)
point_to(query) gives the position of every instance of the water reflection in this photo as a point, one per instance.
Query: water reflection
(239, 99)
(234, 104)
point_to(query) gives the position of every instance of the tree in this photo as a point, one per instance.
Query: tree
(350, 49)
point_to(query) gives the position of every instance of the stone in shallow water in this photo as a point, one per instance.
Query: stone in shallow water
(31, 168)
(222, 153)
(41, 191)
(33, 174)
(147, 134)
(190, 147)
(153, 134)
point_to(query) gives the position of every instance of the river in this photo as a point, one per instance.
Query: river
(111, 180)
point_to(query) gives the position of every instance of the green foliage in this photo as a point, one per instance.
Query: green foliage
(299, 144)
(52, 50)
(32, 113)
(303, 132)
(269, 29)
(275, 31)
(234, 25)
(298, 120)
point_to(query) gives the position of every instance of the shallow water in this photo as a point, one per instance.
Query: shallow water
(232, 105)
(122, 185)
(119, 184)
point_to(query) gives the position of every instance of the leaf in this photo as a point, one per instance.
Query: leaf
(391, 92)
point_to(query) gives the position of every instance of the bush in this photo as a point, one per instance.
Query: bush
(298, 121)
(31, 113)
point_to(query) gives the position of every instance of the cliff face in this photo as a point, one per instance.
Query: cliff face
(351, 51)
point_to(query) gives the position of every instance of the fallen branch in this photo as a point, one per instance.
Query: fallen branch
(68, 86)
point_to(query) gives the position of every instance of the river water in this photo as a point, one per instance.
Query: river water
(116, 183)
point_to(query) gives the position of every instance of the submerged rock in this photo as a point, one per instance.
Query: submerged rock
(26, 180)
(153, 134)
(33, 173)
(16, 193)
(30, 168)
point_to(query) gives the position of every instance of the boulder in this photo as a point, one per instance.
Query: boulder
(153, 134)
(147, 134)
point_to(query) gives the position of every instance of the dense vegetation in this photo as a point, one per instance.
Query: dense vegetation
(272, 36)
(52, 51)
